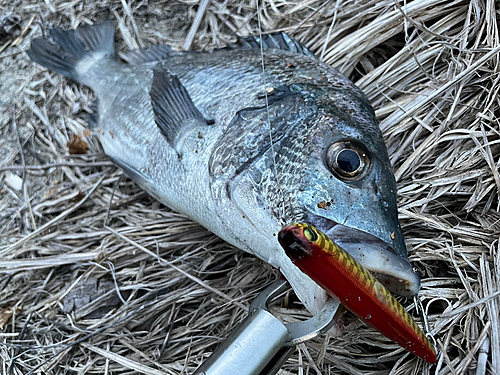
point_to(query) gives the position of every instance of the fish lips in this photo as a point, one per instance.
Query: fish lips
(392, 270)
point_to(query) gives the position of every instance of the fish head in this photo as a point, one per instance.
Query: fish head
(348, 191)
(318, 159)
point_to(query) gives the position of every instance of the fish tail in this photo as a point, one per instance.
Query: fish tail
(73, 51)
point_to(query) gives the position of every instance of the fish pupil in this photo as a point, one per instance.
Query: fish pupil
(348, 161)
(310, 234)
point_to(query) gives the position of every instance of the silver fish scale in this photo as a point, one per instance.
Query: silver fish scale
(238, 149)
(119, 122)
(239, 146)
(216, 85)
(288, 176)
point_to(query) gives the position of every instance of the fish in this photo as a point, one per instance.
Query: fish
(244, 150)
(357, 289)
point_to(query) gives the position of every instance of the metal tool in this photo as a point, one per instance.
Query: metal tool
(261, 344)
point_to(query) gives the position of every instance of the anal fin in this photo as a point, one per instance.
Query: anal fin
(175, 113)
(93, 118)
(136, 175)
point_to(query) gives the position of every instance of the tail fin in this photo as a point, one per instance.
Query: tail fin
(70, 47)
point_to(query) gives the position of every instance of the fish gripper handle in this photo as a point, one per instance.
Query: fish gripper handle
(261, 343)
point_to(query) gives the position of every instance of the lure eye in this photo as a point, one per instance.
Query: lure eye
(310, 234)
(349, 160)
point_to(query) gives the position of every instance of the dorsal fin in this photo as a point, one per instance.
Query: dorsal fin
(147, 55)
(278, 40)
(175, 112)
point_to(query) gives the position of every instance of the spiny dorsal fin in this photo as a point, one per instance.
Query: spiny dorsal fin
(278, 40)
(148, 55)
(175, 112)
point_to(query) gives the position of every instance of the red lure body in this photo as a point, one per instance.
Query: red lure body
(339, 274)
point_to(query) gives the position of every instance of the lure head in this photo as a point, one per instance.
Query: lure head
(336, 271)
(297, 240)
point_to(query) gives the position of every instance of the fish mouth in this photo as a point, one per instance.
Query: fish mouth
(391, 270)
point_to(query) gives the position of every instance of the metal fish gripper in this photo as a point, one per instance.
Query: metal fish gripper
(261, 343)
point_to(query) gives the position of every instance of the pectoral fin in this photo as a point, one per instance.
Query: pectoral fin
(175, 113)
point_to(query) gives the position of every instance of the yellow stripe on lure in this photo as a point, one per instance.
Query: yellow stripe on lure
(359, 291)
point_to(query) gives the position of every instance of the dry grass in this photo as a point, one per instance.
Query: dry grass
(430, 68)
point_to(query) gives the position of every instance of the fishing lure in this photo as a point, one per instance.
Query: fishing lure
(358, 290)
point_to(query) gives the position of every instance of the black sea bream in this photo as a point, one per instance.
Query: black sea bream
(245, 152)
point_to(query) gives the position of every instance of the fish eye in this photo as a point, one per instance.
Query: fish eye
(310, 234)
(349, 160)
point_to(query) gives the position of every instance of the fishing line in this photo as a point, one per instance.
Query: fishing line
(265, 86)
(330, 31)
(267, 101)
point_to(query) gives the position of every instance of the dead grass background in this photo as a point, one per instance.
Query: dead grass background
(73, 230)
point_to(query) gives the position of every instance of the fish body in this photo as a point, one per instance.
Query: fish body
(243, 151)
(357, 289)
